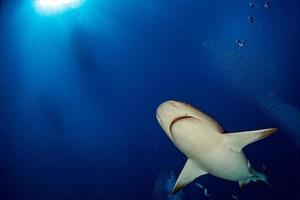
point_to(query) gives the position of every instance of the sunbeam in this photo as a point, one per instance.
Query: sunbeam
(56, 6)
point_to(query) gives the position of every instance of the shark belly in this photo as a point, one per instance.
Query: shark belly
(225, 164)
(209, 150)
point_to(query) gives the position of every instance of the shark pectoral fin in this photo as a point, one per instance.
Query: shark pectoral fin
(241, 139)
(190, 172)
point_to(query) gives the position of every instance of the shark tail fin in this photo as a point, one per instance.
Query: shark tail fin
(257, 177)
(261, 177)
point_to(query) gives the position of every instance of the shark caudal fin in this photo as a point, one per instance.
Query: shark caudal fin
(190, 172)
(256, 177)
(259, 177)
(239, 140)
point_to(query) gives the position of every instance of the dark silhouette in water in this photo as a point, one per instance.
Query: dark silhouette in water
(93, 66)
(240, 43)
(252, 4)
(268, 4)
(83, 53)
(51, 114)
(250, 19)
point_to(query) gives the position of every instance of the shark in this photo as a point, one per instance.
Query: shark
(208, 148)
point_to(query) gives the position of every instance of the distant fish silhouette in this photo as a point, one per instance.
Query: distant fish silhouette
(252, 4)
(264, 167)
(199, 185)
(234, 197)
(206, 193)
(268, 4)
(250, 19)
(240, 43)
(203, 188)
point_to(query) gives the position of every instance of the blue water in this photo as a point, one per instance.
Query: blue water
(79, 91)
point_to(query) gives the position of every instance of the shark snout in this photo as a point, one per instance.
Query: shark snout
(166, 113)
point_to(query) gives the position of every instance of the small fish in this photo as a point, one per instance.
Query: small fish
(234, 197)
(199, 185)
(264, 167)
(251, 4)
(250, 19)
(240, 43)
(268, 4)
(206, 193)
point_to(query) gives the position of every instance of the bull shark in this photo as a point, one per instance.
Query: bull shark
(206, 145)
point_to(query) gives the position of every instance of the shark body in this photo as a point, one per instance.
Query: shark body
(207, 148)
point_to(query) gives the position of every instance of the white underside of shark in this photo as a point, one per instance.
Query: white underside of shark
(207, 148)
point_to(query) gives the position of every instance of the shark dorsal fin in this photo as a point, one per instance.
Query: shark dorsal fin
(190, 172)
(239, 140)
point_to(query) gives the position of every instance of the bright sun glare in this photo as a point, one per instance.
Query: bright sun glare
(56, 6)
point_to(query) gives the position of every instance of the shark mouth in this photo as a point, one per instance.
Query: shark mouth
(178, 119)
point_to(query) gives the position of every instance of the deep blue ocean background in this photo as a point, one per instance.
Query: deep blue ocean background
(79, 91)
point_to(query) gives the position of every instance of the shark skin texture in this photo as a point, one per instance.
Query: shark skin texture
(209, 150)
